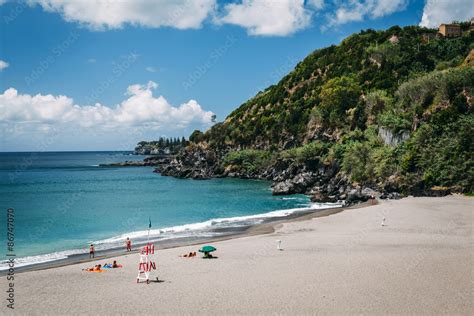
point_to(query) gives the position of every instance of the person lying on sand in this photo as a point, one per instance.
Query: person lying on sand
(96, 268)
(115, 265)
(189, 255)
(89, 269)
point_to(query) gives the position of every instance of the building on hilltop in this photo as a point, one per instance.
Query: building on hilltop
(450, 30)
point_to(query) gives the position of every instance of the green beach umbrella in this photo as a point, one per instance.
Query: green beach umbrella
(207, 249)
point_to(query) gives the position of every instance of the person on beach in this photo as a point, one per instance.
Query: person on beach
(96, 268)
(91, 251)
(128, 243)
(207, 255)
(88, 269)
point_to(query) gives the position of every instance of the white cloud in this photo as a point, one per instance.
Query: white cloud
(316, 4)
(151, 69)
(3, 65)
(140, 109)
(437, 12)
(358, 10)
(269, 18)
(102, 15)
(91, 61)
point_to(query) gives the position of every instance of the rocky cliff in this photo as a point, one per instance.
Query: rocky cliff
(368, 116)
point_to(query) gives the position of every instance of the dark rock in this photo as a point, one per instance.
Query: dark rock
(320, 197)
(148, 161)
(298, 184)
(370, 193)
(439, 191)
(359, 195)
(283, 188)
(394, 196)
(390, 195)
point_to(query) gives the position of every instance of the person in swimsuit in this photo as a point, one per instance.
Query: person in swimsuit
(91, 251)
(128, 243)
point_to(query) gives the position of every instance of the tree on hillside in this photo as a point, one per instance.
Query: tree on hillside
(337, 96)
(197, 136)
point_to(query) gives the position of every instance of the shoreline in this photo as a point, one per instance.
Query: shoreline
(267, 227)
(341, 262)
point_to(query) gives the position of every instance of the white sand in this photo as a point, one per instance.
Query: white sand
(420, 263)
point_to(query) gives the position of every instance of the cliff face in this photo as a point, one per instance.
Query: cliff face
(195, 162)
(368, 114)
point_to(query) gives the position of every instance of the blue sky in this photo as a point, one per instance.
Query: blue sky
(87, 77)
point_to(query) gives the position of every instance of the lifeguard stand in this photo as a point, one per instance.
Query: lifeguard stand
(146, 264)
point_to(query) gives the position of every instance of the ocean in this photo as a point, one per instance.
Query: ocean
(63, 201)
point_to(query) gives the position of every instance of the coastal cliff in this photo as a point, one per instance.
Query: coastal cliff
(382, 113)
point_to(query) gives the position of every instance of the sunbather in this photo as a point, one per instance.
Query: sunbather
(96, 268)
(115, 265)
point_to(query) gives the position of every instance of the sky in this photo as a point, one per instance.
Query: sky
(103, 74)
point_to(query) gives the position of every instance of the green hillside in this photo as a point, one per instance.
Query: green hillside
(384, 109)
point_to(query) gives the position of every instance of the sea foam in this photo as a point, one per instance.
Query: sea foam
(200, 229)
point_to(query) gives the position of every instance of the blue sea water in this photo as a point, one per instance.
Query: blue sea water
(64, 200)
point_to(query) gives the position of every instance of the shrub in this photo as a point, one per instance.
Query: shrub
(196, 137)
(337, 96)
(395, 121)
(377, 101)
(251, 160)
(385, 162)
(311, 151)
(357, 161)
(443, 153)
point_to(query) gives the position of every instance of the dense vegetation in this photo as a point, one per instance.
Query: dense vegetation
(385, 108)
(162, 146)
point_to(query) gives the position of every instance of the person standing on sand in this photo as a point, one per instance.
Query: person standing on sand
(91, 251)
(128, 242)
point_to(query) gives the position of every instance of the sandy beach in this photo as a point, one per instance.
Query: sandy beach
(421, 262)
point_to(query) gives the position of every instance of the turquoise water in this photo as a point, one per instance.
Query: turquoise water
(63, 201)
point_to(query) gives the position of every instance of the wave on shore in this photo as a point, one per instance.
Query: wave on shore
(207, 229)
